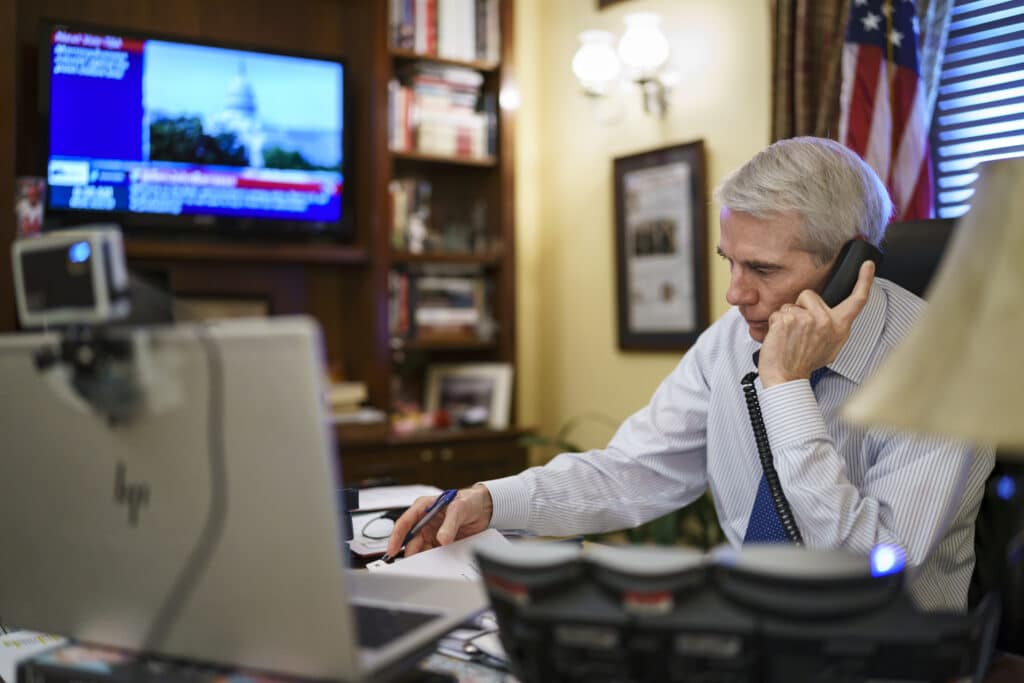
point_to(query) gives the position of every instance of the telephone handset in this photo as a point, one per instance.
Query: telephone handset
(838, 287)
(844, 274)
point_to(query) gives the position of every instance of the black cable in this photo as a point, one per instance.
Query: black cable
(764, 451)
(391, 515)
(216, 518)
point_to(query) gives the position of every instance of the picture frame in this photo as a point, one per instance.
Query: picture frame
(661, 247)
(473, 394)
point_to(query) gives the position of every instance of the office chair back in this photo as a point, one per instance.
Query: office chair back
(913, 250)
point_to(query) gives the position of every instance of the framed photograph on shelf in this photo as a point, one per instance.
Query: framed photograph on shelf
(473, 394)
(661, 247)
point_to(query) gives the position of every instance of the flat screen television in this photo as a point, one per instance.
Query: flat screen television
(169, 136)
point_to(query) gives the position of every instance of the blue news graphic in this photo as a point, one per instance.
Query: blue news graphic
(157, 127)
(95, 107)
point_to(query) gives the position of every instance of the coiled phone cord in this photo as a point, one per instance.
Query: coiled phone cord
(764, 451)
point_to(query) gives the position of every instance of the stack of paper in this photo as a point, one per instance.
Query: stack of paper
(20, 645)
(369, 522)
(393, 497)
(445, 561)
(372, 503)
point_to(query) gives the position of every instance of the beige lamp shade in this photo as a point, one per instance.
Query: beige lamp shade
(960, 372)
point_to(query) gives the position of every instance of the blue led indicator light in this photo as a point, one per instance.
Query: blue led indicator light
(1006, 487)
(79, 252)
(887, 559)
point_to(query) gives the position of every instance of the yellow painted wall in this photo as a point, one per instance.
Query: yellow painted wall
(569, 358)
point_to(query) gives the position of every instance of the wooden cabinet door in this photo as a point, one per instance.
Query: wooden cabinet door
(445, 464)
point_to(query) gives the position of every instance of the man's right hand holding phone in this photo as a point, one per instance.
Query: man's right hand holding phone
(468, 514)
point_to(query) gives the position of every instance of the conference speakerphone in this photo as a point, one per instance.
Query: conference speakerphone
(770, 614)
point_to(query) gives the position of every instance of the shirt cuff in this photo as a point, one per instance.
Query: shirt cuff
(791, 414)
(510, 498)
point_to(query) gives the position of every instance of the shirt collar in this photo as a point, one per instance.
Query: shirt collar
(855, 356)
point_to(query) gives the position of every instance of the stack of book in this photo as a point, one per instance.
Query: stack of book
(437, 109)
(345, 397)
(345, 401)
(466, 30)
(430, 307)
(448, 306)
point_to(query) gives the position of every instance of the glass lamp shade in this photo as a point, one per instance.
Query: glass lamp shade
(959, 372)
(643, 47)
(595, 63)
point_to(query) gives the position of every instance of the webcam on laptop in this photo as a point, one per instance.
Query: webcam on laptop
(76, 283)
(71, 277)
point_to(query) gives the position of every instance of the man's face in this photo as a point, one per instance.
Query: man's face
(766, 269)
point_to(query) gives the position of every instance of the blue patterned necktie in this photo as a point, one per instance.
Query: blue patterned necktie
(764, 525)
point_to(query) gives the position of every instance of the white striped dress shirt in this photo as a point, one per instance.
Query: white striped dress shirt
(848, 487)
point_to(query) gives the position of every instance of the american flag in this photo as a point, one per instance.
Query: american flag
(882, 102)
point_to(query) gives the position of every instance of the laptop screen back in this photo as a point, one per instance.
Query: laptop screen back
(205, 527)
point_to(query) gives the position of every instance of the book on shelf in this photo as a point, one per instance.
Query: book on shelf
(461, 227)
(359, 416)
(399, 296)
(345, 395)
(448, 302)
(346, 402)
(440, 109)
(453, 134)
(431, 307)
(410, 212)
(466, 30)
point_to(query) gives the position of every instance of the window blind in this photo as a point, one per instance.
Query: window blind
(979, 111)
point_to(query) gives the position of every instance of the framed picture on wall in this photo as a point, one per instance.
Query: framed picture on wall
(661, 247)
(473, 394)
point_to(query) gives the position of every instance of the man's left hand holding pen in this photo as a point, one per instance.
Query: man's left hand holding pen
(468, 513)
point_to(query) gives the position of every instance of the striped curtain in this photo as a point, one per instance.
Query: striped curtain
(807, 46)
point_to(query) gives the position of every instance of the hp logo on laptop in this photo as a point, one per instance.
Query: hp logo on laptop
(135, 496)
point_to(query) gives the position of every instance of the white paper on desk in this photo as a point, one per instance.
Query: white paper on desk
(490, 645)
(363, 545)
(446, 561)
(19, 645)
(391, 497)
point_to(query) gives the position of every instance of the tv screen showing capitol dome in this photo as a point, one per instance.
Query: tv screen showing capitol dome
(145, 126)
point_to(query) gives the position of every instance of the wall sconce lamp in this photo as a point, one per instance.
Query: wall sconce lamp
(642, 57)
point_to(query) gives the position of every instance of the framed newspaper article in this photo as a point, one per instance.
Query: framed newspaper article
(661, 247)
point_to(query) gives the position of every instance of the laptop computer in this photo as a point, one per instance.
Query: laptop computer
(206, 526)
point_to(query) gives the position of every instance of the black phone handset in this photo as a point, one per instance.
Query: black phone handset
(838, 287)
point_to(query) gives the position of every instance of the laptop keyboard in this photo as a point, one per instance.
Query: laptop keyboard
(379, 626)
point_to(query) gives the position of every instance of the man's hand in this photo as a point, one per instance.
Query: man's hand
(468, 514)
(808, 335)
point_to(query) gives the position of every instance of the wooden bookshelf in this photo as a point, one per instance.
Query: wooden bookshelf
(246, 252)
(489, 162)
(449, 344)
(409, 55)
(344, 286)
(493, 258)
